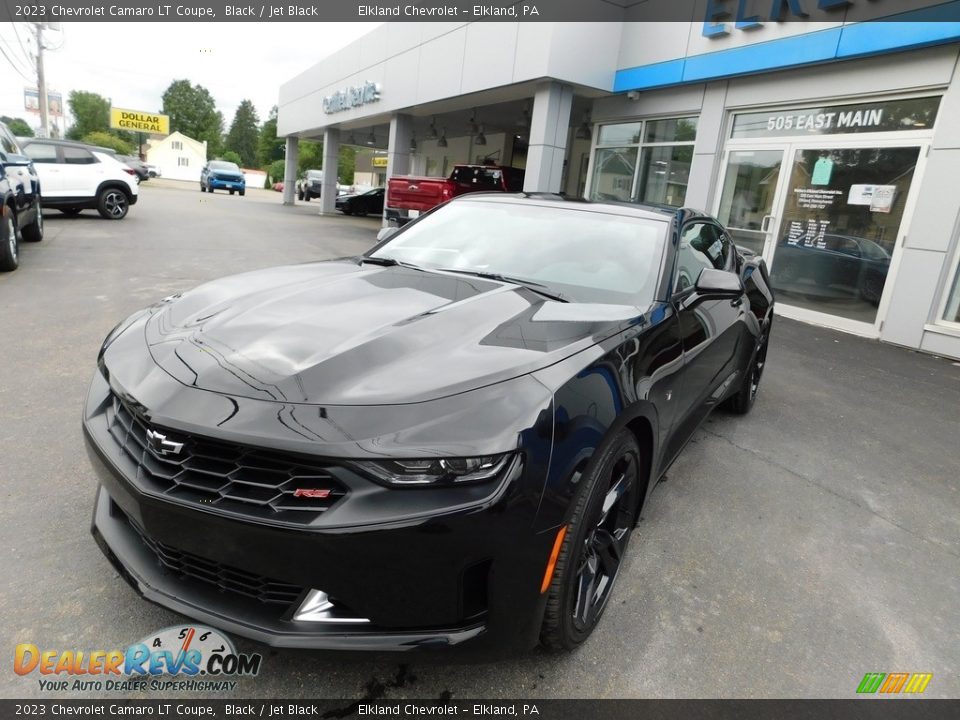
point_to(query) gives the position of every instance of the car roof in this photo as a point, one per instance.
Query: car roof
(66, 143)
(649, 211)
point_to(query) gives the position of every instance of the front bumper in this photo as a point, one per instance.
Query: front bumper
(220, 184)
(471, 576)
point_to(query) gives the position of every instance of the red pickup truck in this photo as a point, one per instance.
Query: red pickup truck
(408, 196)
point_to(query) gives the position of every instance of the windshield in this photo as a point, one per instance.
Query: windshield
(224, 166)
(315, 174)
(585, 255)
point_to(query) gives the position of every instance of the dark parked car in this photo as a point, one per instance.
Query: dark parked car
(137, 165)
(310, 185)
(446, 440)
(222, 175)
(22, 217)
(362, 203)
(852, 266)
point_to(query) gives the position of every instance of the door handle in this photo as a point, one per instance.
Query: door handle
(737, 302)
(766, 222)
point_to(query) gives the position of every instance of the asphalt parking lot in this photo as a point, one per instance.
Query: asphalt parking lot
(787, 554)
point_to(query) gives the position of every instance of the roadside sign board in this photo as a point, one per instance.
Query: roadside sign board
(137, 121)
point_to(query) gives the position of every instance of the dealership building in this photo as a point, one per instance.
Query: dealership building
(829, 146)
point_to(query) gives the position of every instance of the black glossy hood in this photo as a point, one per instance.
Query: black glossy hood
(336, 333)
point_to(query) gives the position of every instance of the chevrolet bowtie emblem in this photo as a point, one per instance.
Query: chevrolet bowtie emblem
(160, 445)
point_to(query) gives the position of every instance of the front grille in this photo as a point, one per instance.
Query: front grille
(222, 476)
(225, 578)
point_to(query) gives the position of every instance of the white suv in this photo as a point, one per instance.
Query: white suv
(76, 177)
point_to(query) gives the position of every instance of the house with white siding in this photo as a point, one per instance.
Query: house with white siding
(179, 157)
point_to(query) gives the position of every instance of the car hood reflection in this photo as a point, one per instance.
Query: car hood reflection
(336, 333)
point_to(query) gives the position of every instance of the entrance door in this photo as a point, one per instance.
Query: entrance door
(749, 198)
(841, 218)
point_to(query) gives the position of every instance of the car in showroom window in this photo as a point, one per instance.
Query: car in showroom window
(447, 440)
(77, 177)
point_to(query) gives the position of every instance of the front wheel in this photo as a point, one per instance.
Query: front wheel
(594, 545)
(242, 192)
(9, 243)
(113, 204)
(231, 192)
(34, 231)
(742, 402)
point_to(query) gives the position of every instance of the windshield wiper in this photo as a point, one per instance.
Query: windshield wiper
(536, 287)
(386, 262)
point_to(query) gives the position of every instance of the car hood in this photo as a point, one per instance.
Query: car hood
(338, 333)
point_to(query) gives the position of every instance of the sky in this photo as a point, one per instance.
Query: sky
(133, 63)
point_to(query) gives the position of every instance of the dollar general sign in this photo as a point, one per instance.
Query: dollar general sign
(139, 121)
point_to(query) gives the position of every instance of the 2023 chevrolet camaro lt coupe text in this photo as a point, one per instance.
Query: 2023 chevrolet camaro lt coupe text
(446, 440)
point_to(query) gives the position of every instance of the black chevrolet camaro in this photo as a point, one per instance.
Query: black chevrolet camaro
(447, 440)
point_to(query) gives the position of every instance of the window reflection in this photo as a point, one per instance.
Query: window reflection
(840, 225)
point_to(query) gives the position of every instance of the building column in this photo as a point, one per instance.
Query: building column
(398, 150)
(549, 127)
(331, 162)
(290, 159)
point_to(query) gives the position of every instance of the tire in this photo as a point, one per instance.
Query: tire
(113, 203)
(70, 212)
(871, 287)
(9, 242)
(202, 188)
(34, 231)
(300, 195)
(306, 197)
(242, 192)
(346, 211)
(742, 402)
(595, 543)
(231, 192)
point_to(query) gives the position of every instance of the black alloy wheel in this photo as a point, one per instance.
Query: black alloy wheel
(9, 241)
(113, 204)
(742, 402)
(34, 231)
(593, 549)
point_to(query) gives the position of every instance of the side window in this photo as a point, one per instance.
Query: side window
(41, 152)
(699, 244)
(7, 143)
(77, 156)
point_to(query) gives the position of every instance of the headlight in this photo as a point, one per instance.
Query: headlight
(436, 471)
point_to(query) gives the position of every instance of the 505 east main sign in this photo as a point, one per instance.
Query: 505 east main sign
(351, 97)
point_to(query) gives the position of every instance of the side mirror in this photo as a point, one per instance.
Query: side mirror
(719, 282)
(714, 284)
(385, 233)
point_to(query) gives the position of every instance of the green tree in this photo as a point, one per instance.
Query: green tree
(269, 147)
(244, 135)
(193, 112)
(310, 156)
(90, 111)
(108, 140)
(276, 170)
(346, 164)
(231, 156)
(18, 126)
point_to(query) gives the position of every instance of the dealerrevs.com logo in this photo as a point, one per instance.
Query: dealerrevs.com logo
(175, 658)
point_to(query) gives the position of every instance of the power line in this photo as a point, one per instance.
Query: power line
(28, 56)
(15, 67)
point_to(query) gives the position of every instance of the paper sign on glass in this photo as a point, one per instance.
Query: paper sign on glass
(883, 198)
(822, 172)
(861, 194)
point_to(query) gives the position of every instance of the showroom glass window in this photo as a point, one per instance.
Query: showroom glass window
(951, 313)
(644, 161)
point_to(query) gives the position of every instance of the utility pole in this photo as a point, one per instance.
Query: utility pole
(42, 85)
